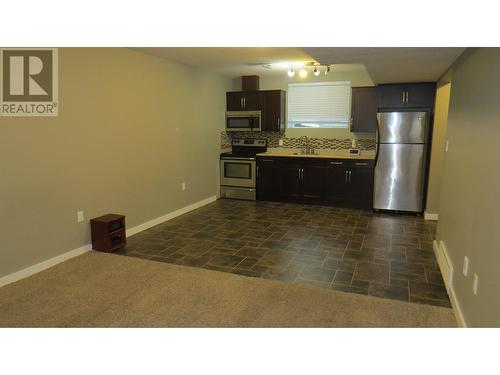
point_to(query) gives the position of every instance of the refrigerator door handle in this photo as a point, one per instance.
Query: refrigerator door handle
(377, 131)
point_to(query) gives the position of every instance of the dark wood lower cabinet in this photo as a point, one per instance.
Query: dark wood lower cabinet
(335, 187)
(361, 184)
(312, 182)
(267, 179)
(339, 182)
(289, 181)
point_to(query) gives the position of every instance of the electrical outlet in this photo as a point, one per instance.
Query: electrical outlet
(280, 142)
(465, 268)
(475, 284)
(183, 186)
(79, 216)
(446, 146)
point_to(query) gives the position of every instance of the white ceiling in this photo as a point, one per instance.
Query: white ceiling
(232, 61)
(393, 64)
(384, 65)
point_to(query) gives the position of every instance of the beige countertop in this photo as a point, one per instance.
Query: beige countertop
(320, 153)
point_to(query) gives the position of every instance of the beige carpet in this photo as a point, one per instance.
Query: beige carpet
(106, 290)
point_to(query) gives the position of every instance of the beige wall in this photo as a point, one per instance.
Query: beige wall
(131, 128)
(469, 211)
(358, 77)
(438, 146)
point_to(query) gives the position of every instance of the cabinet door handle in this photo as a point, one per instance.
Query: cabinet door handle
(244, 102)
(278, 122)
(404, 96)
(346, 176)
(407, 95)
(257, 172)
(336, 162)
(299, 175)
(267, 160)
(350, 176)
(360, 163)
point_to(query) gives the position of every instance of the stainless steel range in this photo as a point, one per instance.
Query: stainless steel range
(238, 168)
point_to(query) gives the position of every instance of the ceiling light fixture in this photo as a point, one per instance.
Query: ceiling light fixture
(304, 68)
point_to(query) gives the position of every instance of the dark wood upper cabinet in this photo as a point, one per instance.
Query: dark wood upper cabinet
(234, 101)
(421, 95)
(411, 95)
(364, 106)
(270, 102)
(243, 101)
(273, 111)
(391, 96)
(252, 100)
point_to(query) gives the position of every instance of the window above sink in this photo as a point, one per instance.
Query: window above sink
(319, 105)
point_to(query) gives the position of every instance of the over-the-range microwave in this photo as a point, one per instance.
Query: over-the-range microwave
(243, 121)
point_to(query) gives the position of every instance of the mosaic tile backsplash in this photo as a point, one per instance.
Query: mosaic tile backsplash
(274, 137)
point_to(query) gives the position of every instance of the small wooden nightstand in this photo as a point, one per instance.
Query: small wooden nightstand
(108, 232)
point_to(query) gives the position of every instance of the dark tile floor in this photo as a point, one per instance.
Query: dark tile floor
(357, 251)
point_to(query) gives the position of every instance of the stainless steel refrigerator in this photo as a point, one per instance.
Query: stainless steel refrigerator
(401, 161)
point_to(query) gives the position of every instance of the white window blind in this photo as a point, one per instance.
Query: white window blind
(319, 105)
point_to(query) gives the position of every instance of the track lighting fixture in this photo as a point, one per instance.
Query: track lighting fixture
(302, 69)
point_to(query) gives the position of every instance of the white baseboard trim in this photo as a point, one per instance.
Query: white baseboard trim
(43, 265)
(81, 250)
(459, 316)
(170, 216)
(430, 216)
(457, 309)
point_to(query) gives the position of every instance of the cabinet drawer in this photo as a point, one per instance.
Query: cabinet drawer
(336, 163)
(361, 163)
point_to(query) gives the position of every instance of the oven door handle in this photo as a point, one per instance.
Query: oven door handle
(238, 159)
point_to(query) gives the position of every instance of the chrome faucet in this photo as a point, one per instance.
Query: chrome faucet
(307, 148)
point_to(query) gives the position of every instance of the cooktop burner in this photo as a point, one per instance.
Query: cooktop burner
(246, 148)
